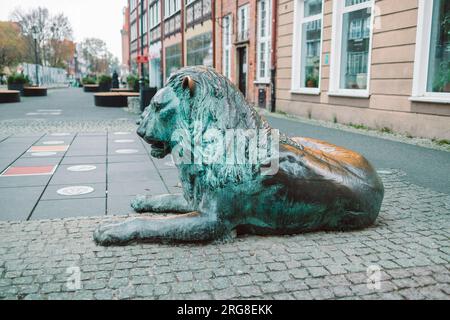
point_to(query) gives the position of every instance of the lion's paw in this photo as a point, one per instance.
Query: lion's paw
(138, 204)
(112, 234)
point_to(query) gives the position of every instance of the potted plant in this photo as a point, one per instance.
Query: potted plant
(105, 83)
(89, 84)
(17, 81)
(311, 81)
(88, 80)
(133, 82)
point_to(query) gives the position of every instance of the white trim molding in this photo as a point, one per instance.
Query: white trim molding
(264, 40)
(227, 34)
(339, 9)
(297, 87)
(422, 57)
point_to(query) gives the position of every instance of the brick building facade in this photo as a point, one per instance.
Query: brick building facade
(244, 40)
(348, 61)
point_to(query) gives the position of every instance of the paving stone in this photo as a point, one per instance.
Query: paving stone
(18, 205)
(55, 209)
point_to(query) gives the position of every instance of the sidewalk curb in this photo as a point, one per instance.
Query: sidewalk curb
(397, 137)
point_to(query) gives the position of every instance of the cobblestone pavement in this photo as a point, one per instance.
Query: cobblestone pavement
(409, 244)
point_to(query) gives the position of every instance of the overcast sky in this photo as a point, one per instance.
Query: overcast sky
(89, 18)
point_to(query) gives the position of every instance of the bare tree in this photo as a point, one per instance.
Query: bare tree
(97, 56)
(52, 33)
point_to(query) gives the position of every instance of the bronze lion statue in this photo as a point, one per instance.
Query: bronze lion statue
(313, 186)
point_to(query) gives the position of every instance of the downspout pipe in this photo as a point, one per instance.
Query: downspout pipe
(213, 18)
(273, 71)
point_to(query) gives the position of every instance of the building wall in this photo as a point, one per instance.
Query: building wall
(391, 75)
(125, 32)
(224, 8)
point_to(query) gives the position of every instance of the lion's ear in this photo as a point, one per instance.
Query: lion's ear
(189, 83)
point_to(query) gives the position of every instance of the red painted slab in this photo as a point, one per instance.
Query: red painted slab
(28, 171)
(48, 149)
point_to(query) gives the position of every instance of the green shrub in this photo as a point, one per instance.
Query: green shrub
(104, 79)
(133, 81)
(89, 80)
(18, 78)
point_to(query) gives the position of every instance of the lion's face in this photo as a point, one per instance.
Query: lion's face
(159, 122)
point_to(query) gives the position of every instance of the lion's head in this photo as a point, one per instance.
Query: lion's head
(194, 95)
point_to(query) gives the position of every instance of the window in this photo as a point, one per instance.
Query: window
(306, 58)
(133, 4)
(144, 22)
(173, 59)
(133, 31)
(432, 63)
(243, 23)
(171, 7)
(199, 50)
(227, 30)
(154, 15)
(352, 41)
(263, 45)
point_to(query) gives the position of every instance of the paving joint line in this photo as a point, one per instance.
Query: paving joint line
(156, 168)
(48, 183)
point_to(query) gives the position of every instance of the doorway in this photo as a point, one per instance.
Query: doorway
(242, 69)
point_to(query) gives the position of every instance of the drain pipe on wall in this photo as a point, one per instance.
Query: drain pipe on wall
(213, 18)
(273, 70)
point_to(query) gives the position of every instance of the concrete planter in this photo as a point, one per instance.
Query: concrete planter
(16, 86)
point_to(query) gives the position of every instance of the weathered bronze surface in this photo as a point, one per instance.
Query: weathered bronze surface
(318, 186)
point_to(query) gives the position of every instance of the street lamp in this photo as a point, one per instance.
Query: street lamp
(35, 35)
(142, 81)
(75, 58)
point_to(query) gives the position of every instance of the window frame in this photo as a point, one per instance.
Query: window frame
(154, 14)
(267, 39)
(167, 7)
(227, 47)
(242, 17)
(422, 57)
(299, 20)
(339, 9)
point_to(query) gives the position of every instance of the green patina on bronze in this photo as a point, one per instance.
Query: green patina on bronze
(318, 186)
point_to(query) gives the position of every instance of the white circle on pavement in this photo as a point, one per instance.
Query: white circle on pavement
(62, 134)
(124, 141)
(384, 172)
(82, 168)
(127, 151)
(49, 110)
(43, 154)
(121, 133)
(53, 142)
(75, 191)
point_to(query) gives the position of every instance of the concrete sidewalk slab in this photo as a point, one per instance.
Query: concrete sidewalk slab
(17, 203)
(133, 188)
(64, 176)
(59, 209)
(51, 193)
(73, 160)
(131, 171)
(20, 182)
(120, 205)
